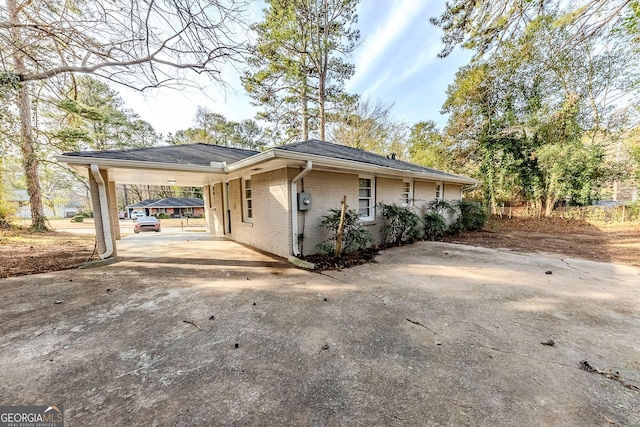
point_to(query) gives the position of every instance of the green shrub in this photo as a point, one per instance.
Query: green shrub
(471, 216)
(399, 224)
(632, 211)
(435, 227)
(354, 236)
(163, 216)
(7, 211)
(440, 207)
(77, 218)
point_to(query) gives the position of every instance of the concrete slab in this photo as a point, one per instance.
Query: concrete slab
(214, 333)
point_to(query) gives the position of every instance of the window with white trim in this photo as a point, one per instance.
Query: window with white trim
(437, 191)
(407, 193)
(247, 200)
(366, 198)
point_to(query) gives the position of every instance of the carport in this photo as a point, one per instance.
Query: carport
(185, 167)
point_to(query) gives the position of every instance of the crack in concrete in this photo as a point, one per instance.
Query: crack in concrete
(564, 260)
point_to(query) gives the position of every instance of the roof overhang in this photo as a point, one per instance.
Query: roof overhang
(148, 173)
(155, 173)
(351, 166)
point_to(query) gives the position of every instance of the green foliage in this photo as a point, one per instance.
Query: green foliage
(163, 216)
(9, 82)
(92, 116)
(297, 67)
(471, 216)
(483, 25)
(214, 128)
(427, 146)
(399, 224)
(354, 237)
(525, 120)
(77, 218)
(7, 210)
(441, 207)
(435, 227)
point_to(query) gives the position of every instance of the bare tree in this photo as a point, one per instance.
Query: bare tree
(137, 43)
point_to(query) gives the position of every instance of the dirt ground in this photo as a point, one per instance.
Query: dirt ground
(619, 243)
(431, 334)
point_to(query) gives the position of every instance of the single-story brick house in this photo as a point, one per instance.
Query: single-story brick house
(174, 206)
(265, 199)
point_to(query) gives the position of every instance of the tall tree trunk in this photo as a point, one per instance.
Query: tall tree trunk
(321, 111)
(549, 204)
(29, 158)
(305, 106)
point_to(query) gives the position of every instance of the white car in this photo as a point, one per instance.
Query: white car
(137, 214)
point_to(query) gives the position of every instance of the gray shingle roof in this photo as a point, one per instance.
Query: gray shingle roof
(143, 204)
(169, 202)
(328, 149)
(190, 154)
(204, 154)
(177, 202)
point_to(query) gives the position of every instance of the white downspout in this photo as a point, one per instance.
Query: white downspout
(294, 206)
(465, 189)
(104, 212)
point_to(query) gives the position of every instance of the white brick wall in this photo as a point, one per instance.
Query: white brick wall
(270, 229)
(271, 225)
(423, 193)
(327, 189)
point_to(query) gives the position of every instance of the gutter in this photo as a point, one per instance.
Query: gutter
(370, 168)
(104, 212)
(469, 188)
(214, 167)
(465, 189)
(294, 207)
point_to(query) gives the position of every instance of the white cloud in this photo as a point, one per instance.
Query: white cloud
(374, 47)
(428, 56)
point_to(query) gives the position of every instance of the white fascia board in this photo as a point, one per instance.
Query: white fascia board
(354, 166)
(253, 160)
(136, 164)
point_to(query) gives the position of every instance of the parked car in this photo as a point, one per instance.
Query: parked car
(146, 223)
(137, 214)
(121, 215)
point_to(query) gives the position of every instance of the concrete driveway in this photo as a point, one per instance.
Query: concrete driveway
(213, 333)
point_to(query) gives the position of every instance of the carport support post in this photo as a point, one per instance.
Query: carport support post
(101, 246)
(113, 210)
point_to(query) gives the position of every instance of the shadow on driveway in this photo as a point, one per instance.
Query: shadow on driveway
(432, 334)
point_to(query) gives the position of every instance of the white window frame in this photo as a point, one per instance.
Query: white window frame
(372, 199)
(439, 191)
(407, 194)
(247, 200)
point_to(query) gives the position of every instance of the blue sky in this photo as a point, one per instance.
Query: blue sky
(396, 62)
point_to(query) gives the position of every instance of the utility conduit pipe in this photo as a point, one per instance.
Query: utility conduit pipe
(104, 212)
(294, 207)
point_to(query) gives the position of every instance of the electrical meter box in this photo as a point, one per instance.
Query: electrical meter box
(304, 201)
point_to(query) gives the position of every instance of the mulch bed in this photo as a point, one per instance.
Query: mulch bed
(326, 262)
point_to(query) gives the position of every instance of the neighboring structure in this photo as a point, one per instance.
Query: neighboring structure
(20, 198)
(265, 199)
(177, 207)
